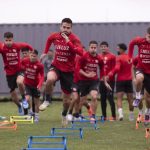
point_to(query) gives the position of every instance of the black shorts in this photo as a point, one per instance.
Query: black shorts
(66, 79)
(75, 87)
(146, 82)
(124, 86)
(11, 81)
(32, 91)
(87, 86)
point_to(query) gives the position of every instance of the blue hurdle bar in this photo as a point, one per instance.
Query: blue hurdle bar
(63, 142)
(43, 149)
(97, 118)
(67, 132)
(84, 124)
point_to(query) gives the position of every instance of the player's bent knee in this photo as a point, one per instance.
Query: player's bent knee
(139, 77)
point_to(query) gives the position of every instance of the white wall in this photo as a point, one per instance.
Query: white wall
(52, 11)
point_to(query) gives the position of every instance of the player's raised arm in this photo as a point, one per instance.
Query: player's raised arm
(23, 45)
(47, 46)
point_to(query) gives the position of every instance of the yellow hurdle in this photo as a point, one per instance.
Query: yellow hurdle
(22, 119)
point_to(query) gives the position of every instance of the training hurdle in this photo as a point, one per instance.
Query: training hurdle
(67, 132)
(42, 149)
(22, 119)
(84, 124)
(8, 125)
(59, 145)
(97, 118)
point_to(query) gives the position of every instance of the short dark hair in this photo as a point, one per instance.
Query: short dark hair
(67, 20)
(93, 42)
(35, 52)
(25, 49)
(104, 43)
(122, 46)
(148, 30)
(8, 35)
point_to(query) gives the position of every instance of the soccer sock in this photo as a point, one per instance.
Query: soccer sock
(31, 111)
(140, 111)
(70, 111)
(64, 113)
(76, 115)
(36, 115)
(131, 112)
(80, 111)
(25, 111)
(19, 105)
(93, 115)
(120, 111)
(23, 96)
(138, 95)
(43, 96)
(48, 97)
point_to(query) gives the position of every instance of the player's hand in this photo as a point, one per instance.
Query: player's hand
(108, 86)
(42, 57)
(65, 37)
(106, 78)
(39, 88)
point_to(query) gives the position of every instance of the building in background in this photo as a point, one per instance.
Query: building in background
(36, 35)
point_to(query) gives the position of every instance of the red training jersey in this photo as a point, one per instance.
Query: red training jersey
(143, 53)
(76, 71)
(122, 68)
(89, 63)
(65, 53)
(109, 61)
(34, 72)
(11, 57)
(135, 61)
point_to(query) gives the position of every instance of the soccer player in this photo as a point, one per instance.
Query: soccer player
(33, 79)
(10, 51)
(123, 81)
(88, 78)
(67, 46)
(143, 69)
(25, 51)
(109, 60)
(134, 65)
(75, 95)
(47, 63)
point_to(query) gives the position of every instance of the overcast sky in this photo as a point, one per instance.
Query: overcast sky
(52, 11)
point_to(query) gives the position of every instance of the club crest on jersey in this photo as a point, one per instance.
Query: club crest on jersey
(105, 58)
(14, 50)
(96, 61)
(35, 67)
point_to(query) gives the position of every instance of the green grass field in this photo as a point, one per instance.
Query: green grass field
(111, 135)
